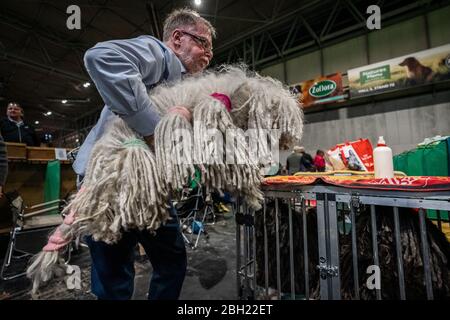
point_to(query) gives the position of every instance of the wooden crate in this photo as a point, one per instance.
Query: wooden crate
(43, 154)
(16, 150)
(40, 154)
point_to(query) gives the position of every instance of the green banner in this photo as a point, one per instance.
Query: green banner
(380, 73)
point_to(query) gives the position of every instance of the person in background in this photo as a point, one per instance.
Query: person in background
(319, 161)
(307, 162)
(3, 165)
(293, 162)
(14, 129)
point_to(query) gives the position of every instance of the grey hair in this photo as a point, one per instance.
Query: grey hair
(184, 17)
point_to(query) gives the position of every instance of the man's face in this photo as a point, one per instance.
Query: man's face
(195, 47)
(14, 111)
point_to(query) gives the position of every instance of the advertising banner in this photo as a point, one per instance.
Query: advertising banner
(320, 90)
(424, 67)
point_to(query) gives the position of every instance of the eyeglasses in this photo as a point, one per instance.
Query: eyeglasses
(204, 43)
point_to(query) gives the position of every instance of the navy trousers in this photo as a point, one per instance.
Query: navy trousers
(112, 270)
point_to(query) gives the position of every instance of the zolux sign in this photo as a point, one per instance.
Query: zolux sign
(320, 90)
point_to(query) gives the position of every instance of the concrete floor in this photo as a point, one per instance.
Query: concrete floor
(211, 272)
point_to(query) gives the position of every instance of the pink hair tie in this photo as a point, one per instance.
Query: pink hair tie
(56, 241)
(224, 99)
(182, 111)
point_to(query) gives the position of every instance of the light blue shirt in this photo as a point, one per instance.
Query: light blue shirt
(124, 71)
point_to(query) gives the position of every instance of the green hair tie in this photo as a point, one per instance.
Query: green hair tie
(135, 143)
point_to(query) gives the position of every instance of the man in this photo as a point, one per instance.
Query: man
(307, 161)
(293, 162)
(13, 129)
(124, 71)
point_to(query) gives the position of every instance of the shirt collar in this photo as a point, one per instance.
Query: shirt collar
(183, 69)
(171, 55)
(19, 123)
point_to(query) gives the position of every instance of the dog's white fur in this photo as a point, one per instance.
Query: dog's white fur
(127, 186)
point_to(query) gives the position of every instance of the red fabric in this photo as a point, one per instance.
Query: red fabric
(224, 99)
(319, 162)
(399, 183)
(414, 184)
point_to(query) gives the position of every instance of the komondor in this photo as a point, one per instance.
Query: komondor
(237, 120)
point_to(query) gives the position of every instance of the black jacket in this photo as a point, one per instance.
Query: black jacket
(307, 162)
(24, 133)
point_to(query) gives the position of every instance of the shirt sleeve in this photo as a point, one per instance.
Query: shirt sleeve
(118, 71)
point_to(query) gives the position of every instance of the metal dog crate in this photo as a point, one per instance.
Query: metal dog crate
(282, 259)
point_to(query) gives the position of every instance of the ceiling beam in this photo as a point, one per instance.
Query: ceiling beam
(13, 58)
(44, 33)
(154, 20)
(216, 11)
(275, 46)
(266, 26)
(289, 35)
(232, 18)
(310, 30)
(131, 23)
(326, 39)
(331, 18)
(355, 12)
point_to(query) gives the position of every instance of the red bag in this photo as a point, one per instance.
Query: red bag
(358, 155)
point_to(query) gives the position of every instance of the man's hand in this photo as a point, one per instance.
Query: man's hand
(182, 111)
(150, 140)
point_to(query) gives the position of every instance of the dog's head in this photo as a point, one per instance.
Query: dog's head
(410, 62)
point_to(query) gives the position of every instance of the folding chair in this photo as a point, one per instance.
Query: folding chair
(189, 210)
(29, 222)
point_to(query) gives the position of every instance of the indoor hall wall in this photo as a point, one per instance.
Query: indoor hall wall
(416, 34)
(402, 126)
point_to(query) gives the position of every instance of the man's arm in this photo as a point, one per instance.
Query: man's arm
(117, 71)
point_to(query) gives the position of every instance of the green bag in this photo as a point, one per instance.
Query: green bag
(429, 160)
(400, 163)
(415, 163)
(52, 184)
(435, 159)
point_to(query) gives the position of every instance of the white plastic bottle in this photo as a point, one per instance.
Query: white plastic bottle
(383, 162)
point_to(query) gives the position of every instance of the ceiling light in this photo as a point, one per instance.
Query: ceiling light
(77, 140)
(49, 113)
(64, 101)
(36, 122)
(86, 84)
(198, 2)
